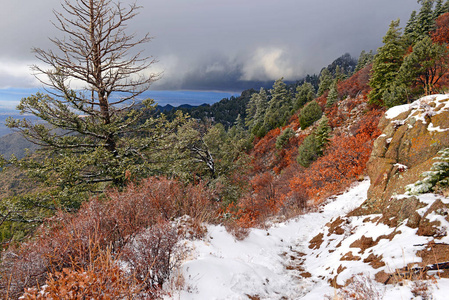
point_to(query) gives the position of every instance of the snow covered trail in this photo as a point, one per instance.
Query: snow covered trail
(262, 265)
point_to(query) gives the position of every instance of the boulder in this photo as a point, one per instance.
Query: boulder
(412, 135)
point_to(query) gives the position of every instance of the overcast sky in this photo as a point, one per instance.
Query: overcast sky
(218, 44)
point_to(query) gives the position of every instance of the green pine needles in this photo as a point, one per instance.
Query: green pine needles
(436, 178)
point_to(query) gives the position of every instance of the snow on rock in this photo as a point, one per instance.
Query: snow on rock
(431, 128)
(278, 263)
(396, 111)
(419, 109)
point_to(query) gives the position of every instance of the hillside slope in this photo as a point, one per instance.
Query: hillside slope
(348, 248)
(15, 143)
(284, 262)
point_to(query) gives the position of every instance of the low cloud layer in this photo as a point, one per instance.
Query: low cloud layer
(270, 63)
(219, 44)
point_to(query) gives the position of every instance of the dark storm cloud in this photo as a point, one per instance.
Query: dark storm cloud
(219, 44)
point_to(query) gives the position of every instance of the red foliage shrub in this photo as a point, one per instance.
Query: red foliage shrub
(103, 279)
(263, 151)
(441, 33)
(152, 255)
(355, 85)
(267, 143)
(441, 36)
(344, 159)
(74, 241)
(254, 208)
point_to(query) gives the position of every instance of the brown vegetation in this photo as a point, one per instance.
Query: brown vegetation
(132, 227)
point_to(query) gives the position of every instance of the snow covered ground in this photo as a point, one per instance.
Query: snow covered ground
(277, 263)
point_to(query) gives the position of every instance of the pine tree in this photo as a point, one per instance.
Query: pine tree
(364, 60)
(322, 134)
(251, 109)
(438, 10)
(256, 110)
(410, 29)
(304, 94)
(309, 114)
(396, 94)
(437, 177)
(326, 80)
(279, 106)
(284, 137)
(425, 66)
(424, 21)
(386, 63)
(332, 97)
(259, 129)
(445, 7)
(95, 136)
(339, 74)
(308, 151)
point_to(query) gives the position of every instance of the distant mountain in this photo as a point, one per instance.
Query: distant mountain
(224, 111)
(169, 107)
(14, 143)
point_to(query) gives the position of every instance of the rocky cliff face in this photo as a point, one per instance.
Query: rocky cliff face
(389, 220)
(412, 135)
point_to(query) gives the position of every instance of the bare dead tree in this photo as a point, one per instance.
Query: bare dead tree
(93, 77)
(96, 52)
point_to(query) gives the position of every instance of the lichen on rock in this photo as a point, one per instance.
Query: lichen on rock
(412, 135)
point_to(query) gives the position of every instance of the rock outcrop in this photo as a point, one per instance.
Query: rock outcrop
(412, 135)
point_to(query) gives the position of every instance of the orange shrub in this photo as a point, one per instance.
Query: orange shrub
(74, 241)
(254, 208)
(345, 158)
(103, 279)
(355, 85)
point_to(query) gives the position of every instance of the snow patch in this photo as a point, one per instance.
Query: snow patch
(270, 263)
(396, 111)
(431, 128)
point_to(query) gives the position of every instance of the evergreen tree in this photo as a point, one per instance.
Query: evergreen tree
(239, 125)
(396, 94)
(304, 94)
(410, 29)
(424, 21)
(221, 154)
(436, 178)
(386, 63)
(284, 137)
(308, 151)
(438, 10)
(364, 60)
(322, 134)
(445, 7)
(256, 110)
(326, 80)
(95, 136)
(251, 109)
(309, 114)
(332, 97)
(425, 66)
(258, 128)
(279, 106)
(339, 74)
(206, 151)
